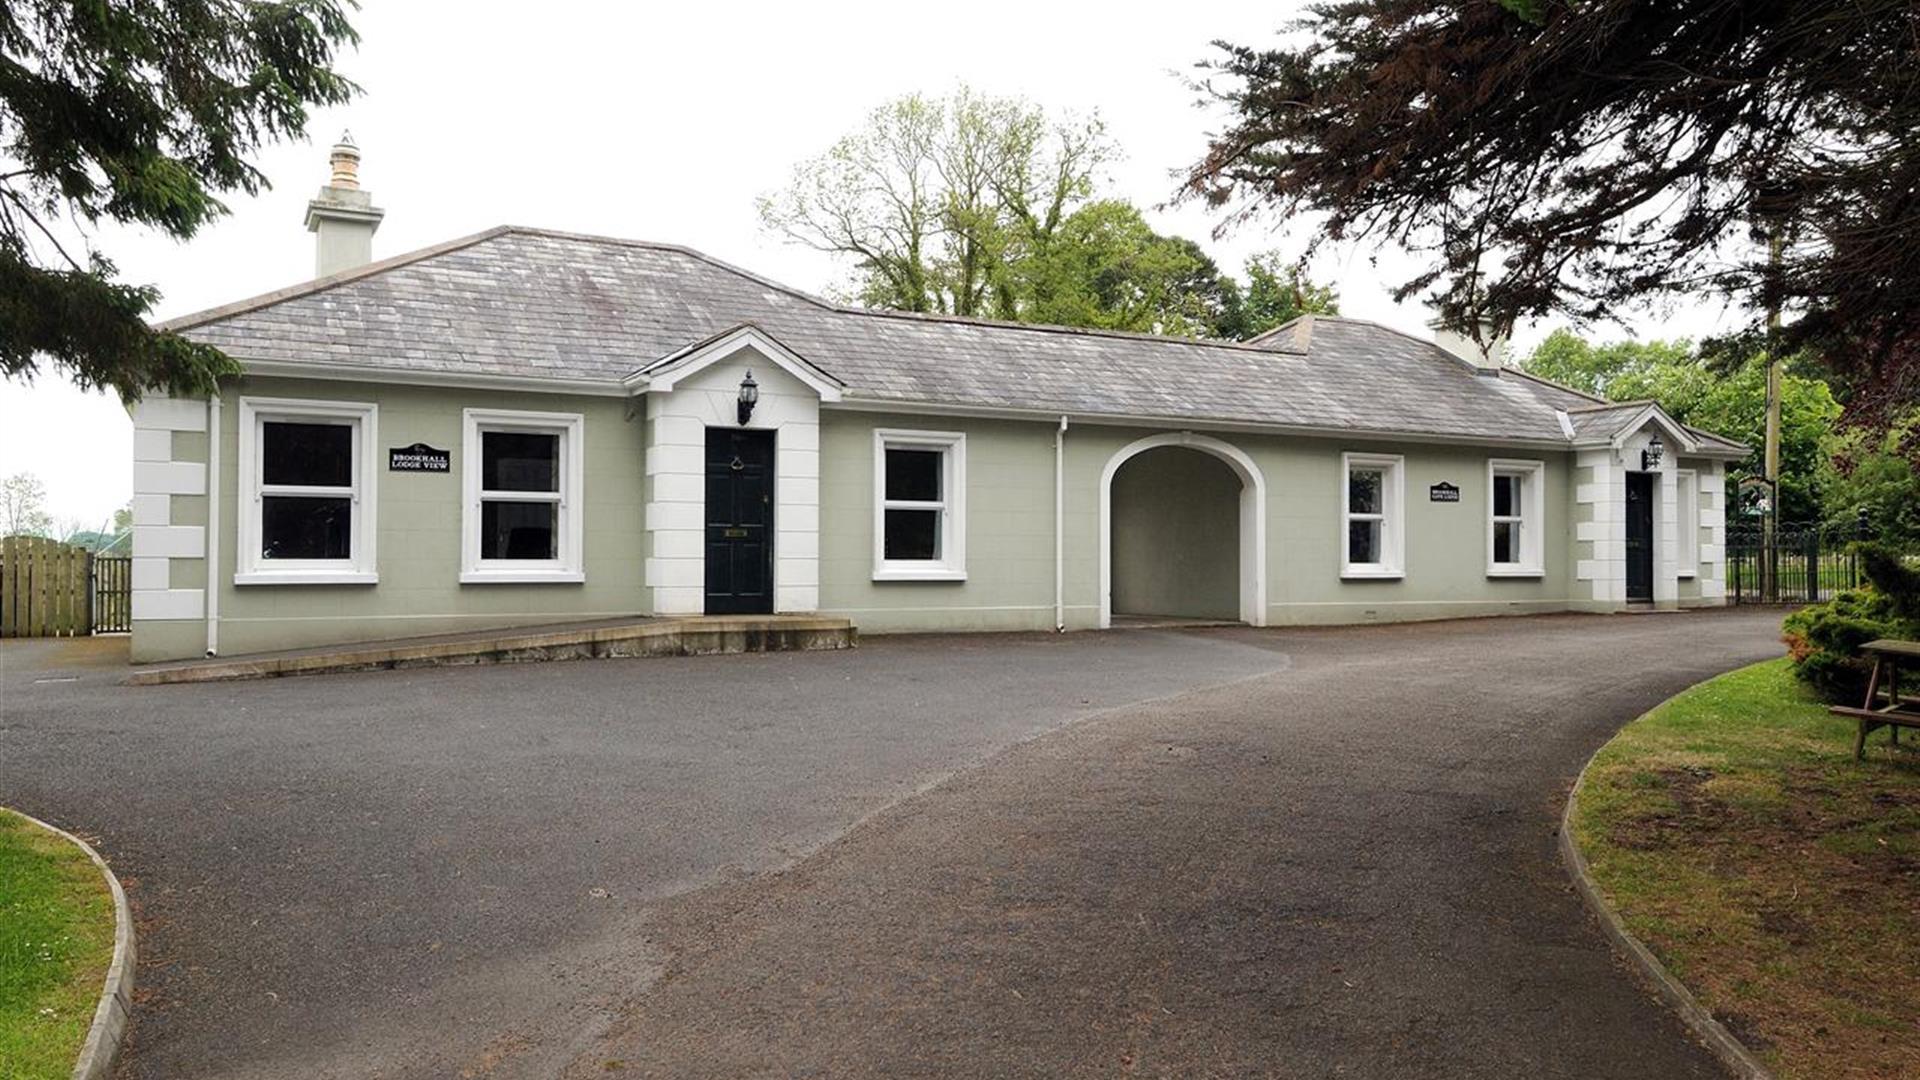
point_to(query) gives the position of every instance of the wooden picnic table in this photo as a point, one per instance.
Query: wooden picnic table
(1897, 710)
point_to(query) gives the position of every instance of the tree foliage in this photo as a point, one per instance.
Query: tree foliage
(1730, 403)
(989, 208)
(142, 113)
(1576, 156)
(23, 506)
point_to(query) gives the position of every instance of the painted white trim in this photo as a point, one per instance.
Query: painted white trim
(213, 523)
(1253, 519)
(1393, 516)
(1060, 527)
(952, 564)
(157, 604)
(367, 373)
(1532, 517)
(568, 566)
(306, 577)
(169, 478)
(1686, 498)
(169, 414)
(673, 369)
(249, 567)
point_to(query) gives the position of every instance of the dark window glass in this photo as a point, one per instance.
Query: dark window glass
(1363, 541)
(1363, 491)
(1506, 490)
(1506, 547)
(517, 530)
(300, 527)
(310, 455)
(519, 461)
(913, 535)
(914, 475)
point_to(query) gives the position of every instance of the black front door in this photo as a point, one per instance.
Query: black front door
(739, 522)
(1639, 536)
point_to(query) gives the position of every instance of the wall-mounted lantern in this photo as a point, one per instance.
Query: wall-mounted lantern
(1650, 458)
(749, 397)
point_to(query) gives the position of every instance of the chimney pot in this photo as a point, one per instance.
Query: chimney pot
(346, 163)
(342, 218)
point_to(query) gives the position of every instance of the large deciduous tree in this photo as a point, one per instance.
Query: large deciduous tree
(1577, 156)
(933, 196)
(987, 207)
(142, 112)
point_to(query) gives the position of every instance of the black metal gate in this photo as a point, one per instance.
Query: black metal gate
(112, 594)
(1804, 564)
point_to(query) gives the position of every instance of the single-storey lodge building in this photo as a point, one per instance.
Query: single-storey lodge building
(524, 426)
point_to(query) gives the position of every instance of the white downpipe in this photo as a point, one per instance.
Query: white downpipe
(1060, 528)
(213, 523)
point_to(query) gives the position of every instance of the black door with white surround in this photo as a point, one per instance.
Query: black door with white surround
(739, 521)
(1639, 536)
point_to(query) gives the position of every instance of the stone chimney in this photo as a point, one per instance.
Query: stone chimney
(342, 218)
(1488, 359)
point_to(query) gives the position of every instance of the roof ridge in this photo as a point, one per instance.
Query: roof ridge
(1602, 405)
(1056, 328)
(331, 281)
(1544, 381)
(394, 262)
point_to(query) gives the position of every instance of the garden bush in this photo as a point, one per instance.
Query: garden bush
(1823, 638)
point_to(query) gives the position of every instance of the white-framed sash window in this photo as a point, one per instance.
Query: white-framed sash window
(307, 505)
(919, 505)
(1372, 516)
(522, 512)
(1515, 507)
(1686, 496)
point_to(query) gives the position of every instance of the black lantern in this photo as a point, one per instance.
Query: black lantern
(1651, 457)
(749, 397)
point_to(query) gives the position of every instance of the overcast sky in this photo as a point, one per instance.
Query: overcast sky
(663, 122)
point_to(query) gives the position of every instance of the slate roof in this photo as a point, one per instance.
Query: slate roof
(531, 303)
(1603, 422)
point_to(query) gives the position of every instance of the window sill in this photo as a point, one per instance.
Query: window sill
(1365, 573)
(1516, 571)
(306, 577)
(522, 577)
(1686, 575)
(918, 573)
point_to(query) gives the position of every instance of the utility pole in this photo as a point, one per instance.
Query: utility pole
(1770, 578)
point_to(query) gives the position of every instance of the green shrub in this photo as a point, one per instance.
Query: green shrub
(1824, 638)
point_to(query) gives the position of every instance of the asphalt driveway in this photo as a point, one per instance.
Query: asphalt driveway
(1265, 852)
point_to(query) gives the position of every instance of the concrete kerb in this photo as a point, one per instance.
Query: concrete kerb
(691, 636)
(110, 1017)
(1725, 1046)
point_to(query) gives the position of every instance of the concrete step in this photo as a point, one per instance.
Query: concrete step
(686, 636)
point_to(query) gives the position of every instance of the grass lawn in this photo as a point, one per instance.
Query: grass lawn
(1770, 872)
(56, 940)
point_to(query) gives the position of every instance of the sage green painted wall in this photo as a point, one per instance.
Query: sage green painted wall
(1009, 521)
(1176, 535)
(418, 548)
(1010, 530)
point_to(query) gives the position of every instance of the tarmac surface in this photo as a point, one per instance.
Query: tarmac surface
(1230, 852)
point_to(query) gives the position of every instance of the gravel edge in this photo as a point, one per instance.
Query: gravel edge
(1730, 1050)
(110, 1017)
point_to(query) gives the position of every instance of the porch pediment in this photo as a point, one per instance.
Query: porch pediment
(662, 375)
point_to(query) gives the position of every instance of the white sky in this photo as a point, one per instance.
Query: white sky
(664, 122)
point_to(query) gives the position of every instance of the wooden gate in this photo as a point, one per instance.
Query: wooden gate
(46, 588)
(112, 594)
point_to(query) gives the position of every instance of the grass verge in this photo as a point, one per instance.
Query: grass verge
(1771, 873)
(56, 940)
